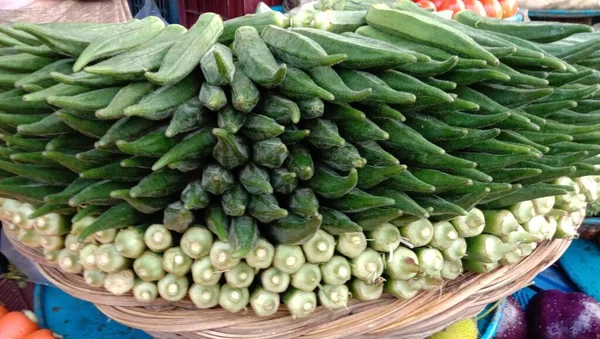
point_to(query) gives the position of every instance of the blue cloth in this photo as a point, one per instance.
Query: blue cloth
(72, 318)
(581, 262)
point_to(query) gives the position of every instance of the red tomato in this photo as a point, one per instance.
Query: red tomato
(493, 8)
(426, 4)
(3, 310)
(475, 6)
(16, 325)
(453, 5)
(41, 334)
(438, 4)
(509, 7)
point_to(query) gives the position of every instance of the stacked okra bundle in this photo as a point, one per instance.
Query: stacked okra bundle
(240, 160)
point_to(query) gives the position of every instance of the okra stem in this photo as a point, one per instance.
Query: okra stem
(264, 303)
(158, 238)
(240, 275)
(469, 225)
(500, 222)
(307, 278)
(261, 256)
(300, 304)
(53, 242)
(403, 264)
(205, 296)
(176, 262)
(444, 235)
(334, 297)
(418, 233)
(403, 289)
(457, 250)
(172, 287)
(523, 211)
(365, 291)
(87, 257)
(149, 266)
(288, 258)
(233, 299)
(368, 266)
(430, 260)
(385, 238)
(204, 273)
(130, 242)
(220, 256)
(106, 236)
(94, 278)
(109, 260)
(69, 262)
(319, 248)
(351, 244)
(274, 280)
(119, 283)
(144, 291)
(451, 269)
(196, 242)
(336, 271)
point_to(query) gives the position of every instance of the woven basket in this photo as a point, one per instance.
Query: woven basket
(427, 313)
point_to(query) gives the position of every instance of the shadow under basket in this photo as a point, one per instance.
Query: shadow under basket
(429, 312)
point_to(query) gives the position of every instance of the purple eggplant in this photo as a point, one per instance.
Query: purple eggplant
(513, 324)
(554, 314)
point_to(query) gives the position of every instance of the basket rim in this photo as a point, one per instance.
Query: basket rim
(426, 313)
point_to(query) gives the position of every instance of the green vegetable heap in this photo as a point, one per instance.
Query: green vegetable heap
(240, 160)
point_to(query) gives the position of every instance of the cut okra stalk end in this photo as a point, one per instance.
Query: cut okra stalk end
(94, 278)
(351, 244)
(234, 299)
(487, 248)
(288, 258)
(451, 269)
(500, 222)
(158, 238)
(334, 297)
(418, 233)
(221, 256)
(523, 211)
(69, 262)
(119, 283)
(385, 237)
(403, 264)
(274, 280)
(456, 251)
(469, 225)
(444, 235)
(566, 227)
(149, 266)
(431, 261)
(145, 291)
(319, 248)
(368, 266)
(365, 291)
(264, 303)
(196, 242)
(204, 273)
(403, 289)
(262, 255)
(300, 304)
(240, 275)
(176, 262)
(307, 278)
(204, 296)
(336, 271)
(172, 287)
